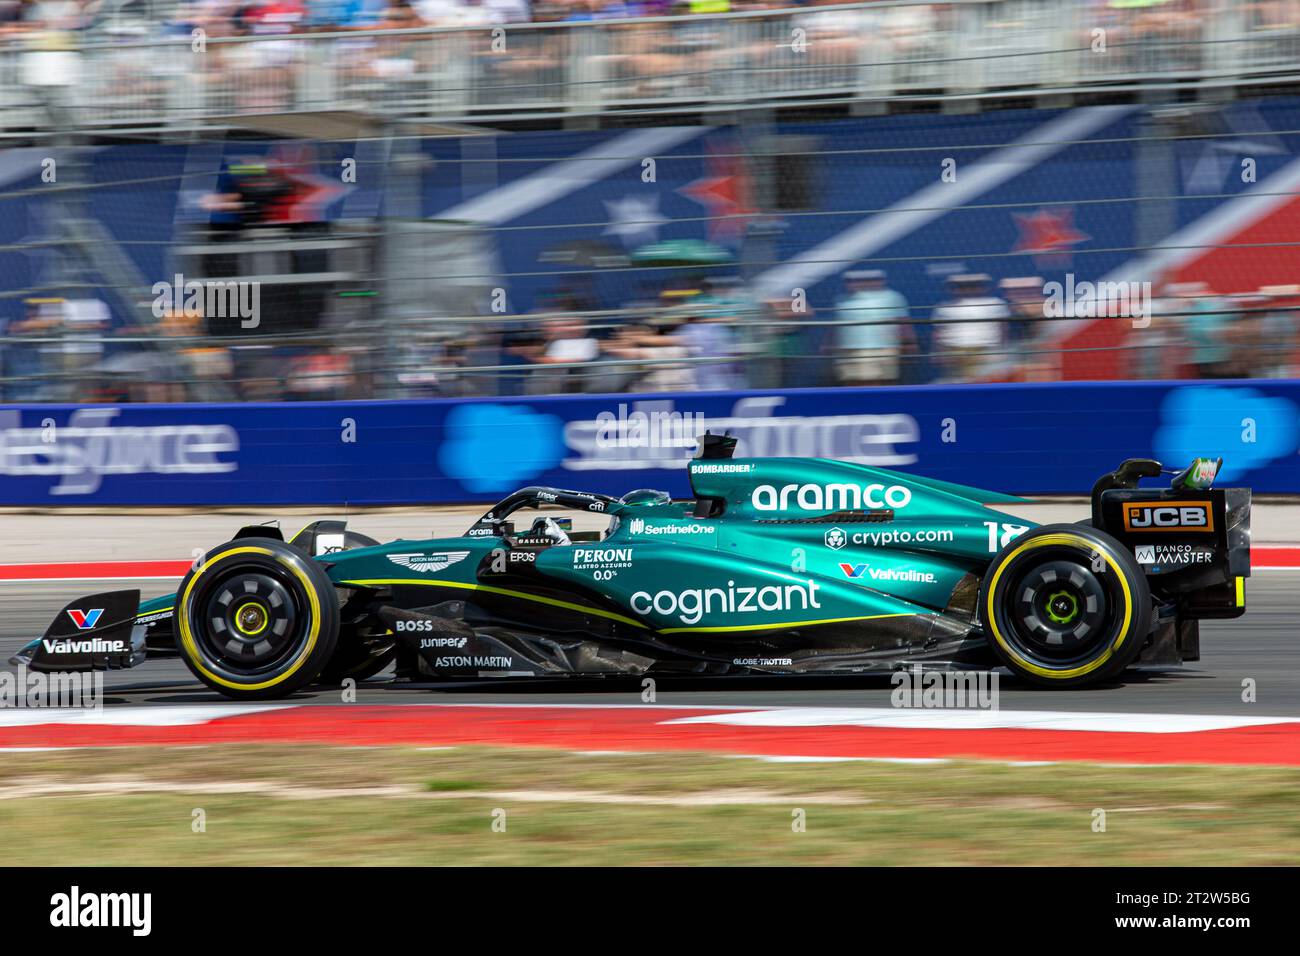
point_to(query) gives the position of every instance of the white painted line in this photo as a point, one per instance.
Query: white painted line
(953, 719)
(179, 716)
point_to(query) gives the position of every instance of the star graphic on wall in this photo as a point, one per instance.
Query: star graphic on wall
(725, 191)
(314, 193)
(634, 219)
(1048, 234)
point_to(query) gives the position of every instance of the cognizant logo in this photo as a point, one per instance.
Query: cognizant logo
(842, 497)
(690, 606)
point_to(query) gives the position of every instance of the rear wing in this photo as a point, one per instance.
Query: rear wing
(1192, 540)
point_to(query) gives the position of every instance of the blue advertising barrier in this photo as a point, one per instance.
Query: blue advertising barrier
(1028, 439)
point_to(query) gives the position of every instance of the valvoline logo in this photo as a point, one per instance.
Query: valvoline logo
(85, 620)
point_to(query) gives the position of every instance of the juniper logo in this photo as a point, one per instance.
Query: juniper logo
(210, 299)
(76, 909)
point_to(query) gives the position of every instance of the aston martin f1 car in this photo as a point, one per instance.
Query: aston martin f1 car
(775, 566)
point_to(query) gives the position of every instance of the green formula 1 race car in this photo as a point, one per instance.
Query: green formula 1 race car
(775, 566)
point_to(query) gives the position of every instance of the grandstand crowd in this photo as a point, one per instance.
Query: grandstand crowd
(1150, 19)
(713, 337)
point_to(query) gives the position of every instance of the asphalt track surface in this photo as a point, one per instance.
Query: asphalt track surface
(1264, 645)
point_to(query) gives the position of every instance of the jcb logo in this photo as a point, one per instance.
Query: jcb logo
(1168, 516)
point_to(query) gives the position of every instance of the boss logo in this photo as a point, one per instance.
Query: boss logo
(1168, 516)
(401, 626)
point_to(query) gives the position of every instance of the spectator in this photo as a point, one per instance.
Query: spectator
(28, 361)
(85, 323)
(797, 350)
(567, 341)
(1207, 327)
(521, 348)
(874, 322)
(1277, 330)
(657, 348)
(970, 327)
(1025, 304)
(706, 336)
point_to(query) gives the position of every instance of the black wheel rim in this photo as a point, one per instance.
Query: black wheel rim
(249, 620)
(1059, 610)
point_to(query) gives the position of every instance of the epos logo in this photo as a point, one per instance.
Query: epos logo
(1168, 516)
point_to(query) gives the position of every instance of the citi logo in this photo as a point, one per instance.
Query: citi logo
(832, 497)
(85, 620)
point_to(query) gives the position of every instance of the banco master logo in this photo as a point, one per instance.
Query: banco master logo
(438, 561)
(1168, 516)
(830, 497)
(691, 605)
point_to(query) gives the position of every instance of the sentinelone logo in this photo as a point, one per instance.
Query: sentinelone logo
(89, 446)
(77, 909)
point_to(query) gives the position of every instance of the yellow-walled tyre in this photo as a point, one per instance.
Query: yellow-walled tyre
(257, 620)
(1065, 605)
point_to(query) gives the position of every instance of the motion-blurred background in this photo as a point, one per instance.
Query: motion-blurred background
(448, 198)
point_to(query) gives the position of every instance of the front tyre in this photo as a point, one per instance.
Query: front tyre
(1065, 605)
(257, 620)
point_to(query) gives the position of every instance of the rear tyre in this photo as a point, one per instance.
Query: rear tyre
(1065, 605)
(257, 620)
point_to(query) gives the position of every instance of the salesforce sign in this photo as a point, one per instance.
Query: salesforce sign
(1029, 439)
(74, 457)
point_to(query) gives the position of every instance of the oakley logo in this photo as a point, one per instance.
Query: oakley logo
(1168, 516)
